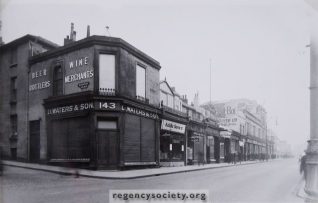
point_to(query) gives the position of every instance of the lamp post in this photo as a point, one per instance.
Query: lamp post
(311, 169)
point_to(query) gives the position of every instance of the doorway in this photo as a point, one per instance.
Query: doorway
(34, 140)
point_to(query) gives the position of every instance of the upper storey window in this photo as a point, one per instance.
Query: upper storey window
(13, 56)
(107, 74)
(58, 80)
(140, 82)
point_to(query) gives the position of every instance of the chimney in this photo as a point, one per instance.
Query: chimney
(1, 41)
(72, 37)
(72, 31)
(88, 31)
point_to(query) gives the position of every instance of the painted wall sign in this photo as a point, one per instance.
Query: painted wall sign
(38, 74)
(172, 126)
(79, 62)
(39, 85)
(79, 71)
(83, 85)
(79, 76)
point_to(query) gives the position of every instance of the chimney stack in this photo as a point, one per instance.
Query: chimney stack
(88, 31)
(1, 41)
(72, 31)
(72, 37)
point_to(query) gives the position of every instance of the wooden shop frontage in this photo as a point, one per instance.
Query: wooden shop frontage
(97, 104)
(173, 140)
(213, 140)
(102, 133)
(196, 149)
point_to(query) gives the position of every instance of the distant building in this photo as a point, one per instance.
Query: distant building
(204, 142)
(246, 122)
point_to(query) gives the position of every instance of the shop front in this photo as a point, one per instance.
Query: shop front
(172, 143)
(212, 144)
(91, 132)
(226, 135)
(196, 143)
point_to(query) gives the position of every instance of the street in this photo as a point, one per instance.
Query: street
(273, 181)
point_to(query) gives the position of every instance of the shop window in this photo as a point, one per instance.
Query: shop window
(140, 82)
(70, 139)
(106, 125)
(106, 74)
(58, 80)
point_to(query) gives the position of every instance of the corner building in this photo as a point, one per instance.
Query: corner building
(95, 103)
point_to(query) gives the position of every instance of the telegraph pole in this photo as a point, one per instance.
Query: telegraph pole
(210, 82)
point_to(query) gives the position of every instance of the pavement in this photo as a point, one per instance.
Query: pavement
(273, 181)
(127, 174)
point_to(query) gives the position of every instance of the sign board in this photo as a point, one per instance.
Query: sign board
(110, 106)
(173, 126)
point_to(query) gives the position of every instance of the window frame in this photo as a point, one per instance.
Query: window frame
(101, 52)
(141, 65)
(58, 64)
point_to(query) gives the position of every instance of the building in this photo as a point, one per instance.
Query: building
(245, 122)
(14, 98)
(204, 141)
(93, 103)
(173, 127)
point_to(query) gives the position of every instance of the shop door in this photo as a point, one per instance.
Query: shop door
(34, 141)
(107, 149)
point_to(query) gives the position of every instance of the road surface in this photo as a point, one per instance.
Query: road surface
(274, 181)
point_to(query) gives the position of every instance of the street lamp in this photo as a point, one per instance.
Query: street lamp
(311, 178)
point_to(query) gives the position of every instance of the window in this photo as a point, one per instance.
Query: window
(58, 81)
(13, 88)
(140, 82)
(14, 123)
(107, 125)
(13, 56)
(107, 74)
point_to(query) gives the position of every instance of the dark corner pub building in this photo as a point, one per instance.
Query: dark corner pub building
(95, 102)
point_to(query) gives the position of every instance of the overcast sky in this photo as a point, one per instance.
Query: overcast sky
(257, 47)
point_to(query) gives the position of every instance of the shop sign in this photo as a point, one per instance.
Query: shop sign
(70, 108)
(172, 126)
(101, 106)
(126, 108)
(241, 143)
(195, 138)
(198, 134)
(225, 134)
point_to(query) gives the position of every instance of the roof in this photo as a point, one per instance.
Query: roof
(27, 38)
(96, 40)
